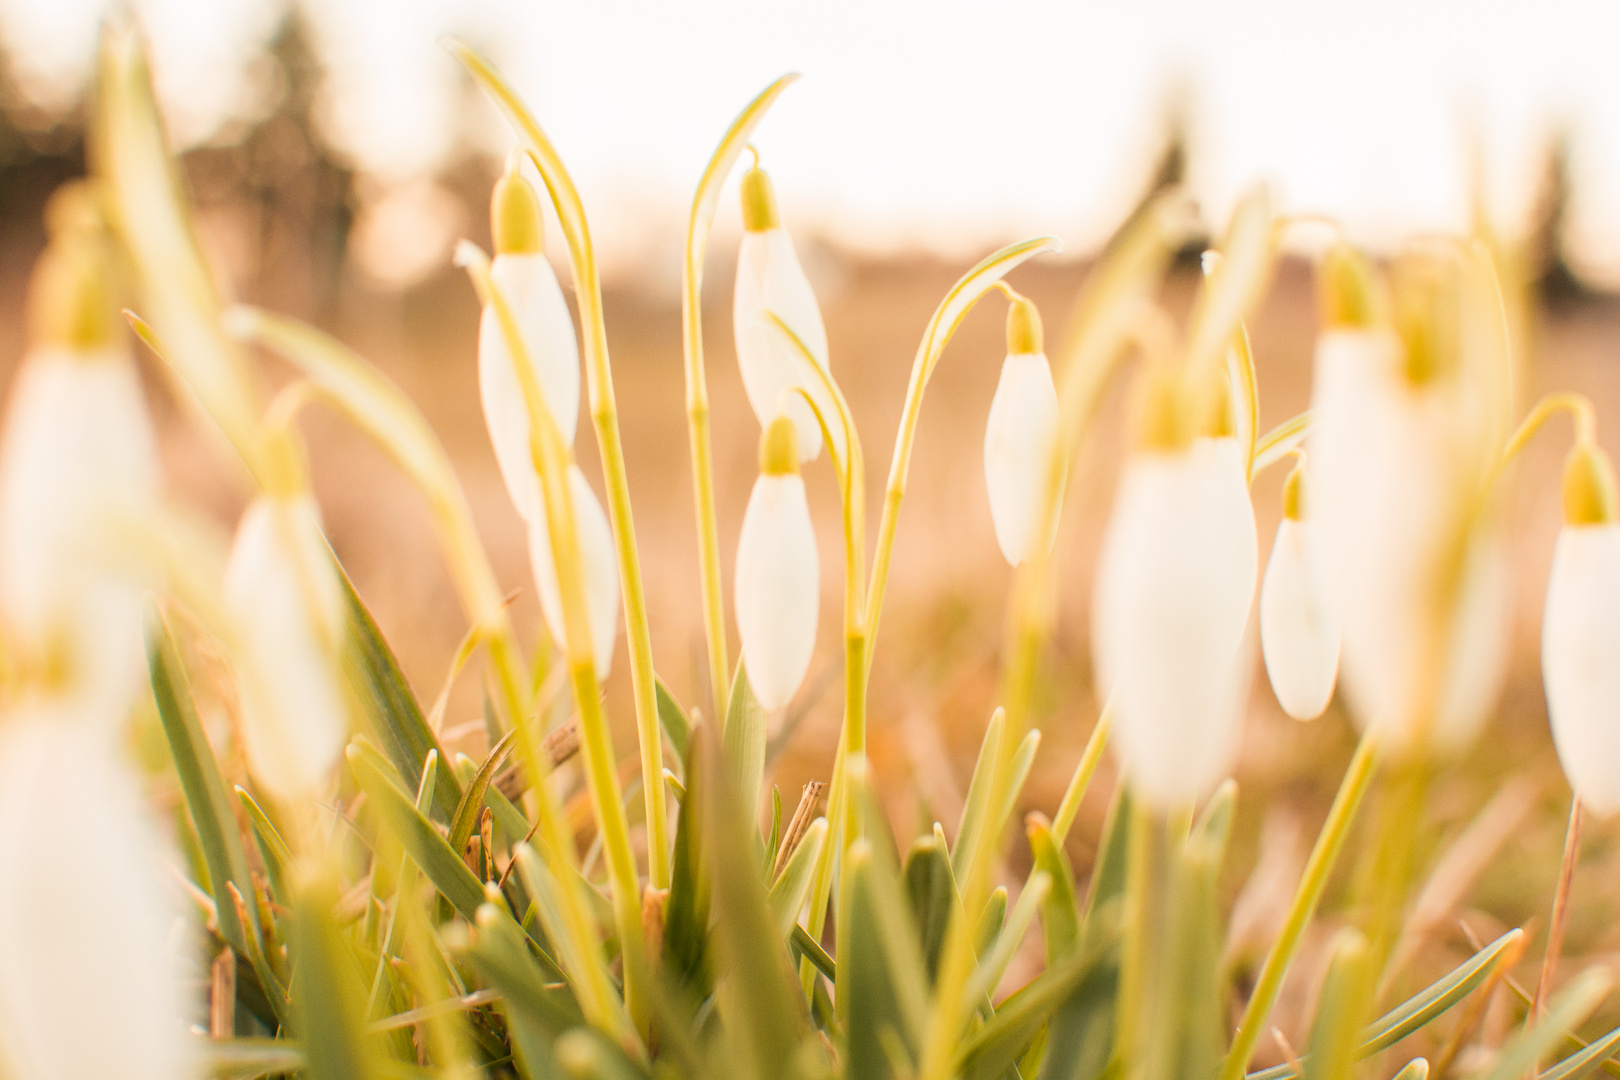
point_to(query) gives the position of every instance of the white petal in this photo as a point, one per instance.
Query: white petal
(769, 278)
(778, 588)
(1174, 587)
(1580, 661)
(1018, 442)
(285, 604)
(78, 456)
(548, 332)
(1299, 622)
(89, 985)
(1393, 468)
(601, 572)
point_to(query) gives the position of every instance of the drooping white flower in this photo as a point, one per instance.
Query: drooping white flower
(284, 602)
(1580, 634)
(600, 565)
(1394, 463)
(770, 279)
(1299, 619)
(89, 985)
(78, 464)
(778, 586)
(1175, 582)
(524, 275)
(1020, 437)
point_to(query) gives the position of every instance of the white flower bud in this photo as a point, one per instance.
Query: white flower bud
(1393, 464)
(770, 279)
(284, 602)
(78, 457)
(1175, 582)
(601, 571)
(89, 984)
(1019, 439)
(1299, 619)
(1580, 661)
(778, 586)
(530, 286)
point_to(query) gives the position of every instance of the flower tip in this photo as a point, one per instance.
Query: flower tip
(516, 225)
(468, 254)
(779, 448)
(1589, 487)
(1023, 328)
(759, 201)
(1351, 293)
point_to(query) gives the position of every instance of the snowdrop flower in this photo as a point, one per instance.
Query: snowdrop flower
(1299, 620)
(778, 585)
(1580, 633)
(770, 279)
(89, 984)
(600, 566)
(1020, 438)
(77, 458)
(1395, 459)
(524, 275)
(284, 603)
(1175, 582)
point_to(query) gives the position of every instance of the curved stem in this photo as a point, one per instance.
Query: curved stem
(1577, 405)
(704, 204)
(605, 418)
(946, 318)
(1329, 842)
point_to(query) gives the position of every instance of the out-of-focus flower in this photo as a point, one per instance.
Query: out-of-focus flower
(778, 585)
(1020, 438)
(1416, 568)
(600, 566)
(1175, 583)
(1299, 619)
(1580, 633)
(770, 279)
(524, 276)
(89, 985)
(78, 461)
(284, 603)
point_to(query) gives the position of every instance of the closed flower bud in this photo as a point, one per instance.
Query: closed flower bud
(600, 566)
(89, 983)
(1299, 619)
(770, 279)
(284, 603)
(524, 276)
(1394, 462)
(1175, 582)
(778, 587)
(77, 459)
(1580, 634)
(1020, 438)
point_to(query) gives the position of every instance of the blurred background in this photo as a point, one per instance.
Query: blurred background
(335, 153)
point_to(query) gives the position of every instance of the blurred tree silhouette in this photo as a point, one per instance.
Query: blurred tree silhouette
(1550, 271)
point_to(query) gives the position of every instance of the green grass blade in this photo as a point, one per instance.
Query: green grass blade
(1567, 1010)
(878, 1027)
(744, 741)
(1345, 993)
(327, 998)
(932, 892)
(978, 796)
(272, 848)
(1584, 1062)
(438, 860)
(791, 889)
(465, 818)
(1060, 911)
(249, 1059)
(391, 707)
(677, 725)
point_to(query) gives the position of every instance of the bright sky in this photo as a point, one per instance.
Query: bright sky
(941, 124)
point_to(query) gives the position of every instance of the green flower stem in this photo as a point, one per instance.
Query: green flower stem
(1084, 769)
(1577, 405)
(604, 416)
(704, 204)
(1329, 842)
(596, 743)
(1145, 833)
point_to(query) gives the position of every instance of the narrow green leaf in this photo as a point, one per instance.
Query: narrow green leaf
(327, 999)
(504, 961)
(792, 887)
(744, 739)
(1339, 1011)
(465, 818)
(201, 782)
(582, 960)
(876, 1025)
(977, 802)
(1189, 1010)
(1214, 825)
(776, 831)
(585, 1054)
(991, 922)
(1108, 872)
(987, 976)
(1060, 911)
(1585, 1061)
(809, 948)
(988, 1052)
(932, 892)
(1080, 1036)
(677, 726)
(272, 848)
(248, 1059)
(1023, 760)
(686, 913)
(438, 860)
(1416, 1069)
(392, 711)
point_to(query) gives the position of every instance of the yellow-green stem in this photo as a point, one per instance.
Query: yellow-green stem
(1143, 832)
(1084, 770)
(1577, 405)
(1329, 842)
(604, 417)
(704, 204)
